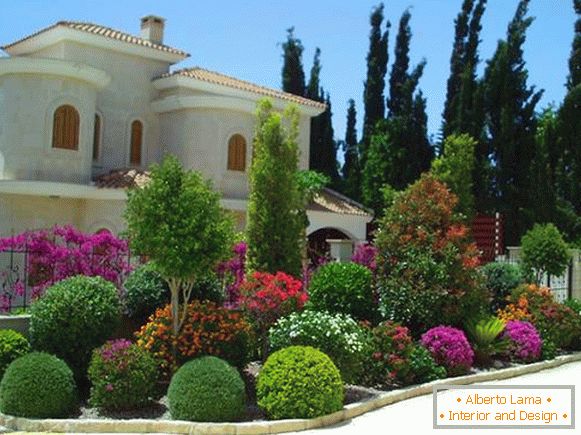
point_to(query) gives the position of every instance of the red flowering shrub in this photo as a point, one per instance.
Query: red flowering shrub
(426, 264)
(397, 360)
(266, 297)
(208, 329)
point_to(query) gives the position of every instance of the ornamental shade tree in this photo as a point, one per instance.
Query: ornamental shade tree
(178, 222)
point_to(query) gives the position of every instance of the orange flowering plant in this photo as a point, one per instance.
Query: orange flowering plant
(556, 322)
(208, 329)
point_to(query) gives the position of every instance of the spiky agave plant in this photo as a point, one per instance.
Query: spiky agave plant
(484, 335)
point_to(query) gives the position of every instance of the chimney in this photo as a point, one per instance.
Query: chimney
(152, 28)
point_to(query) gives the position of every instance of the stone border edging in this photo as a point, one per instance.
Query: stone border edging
(271, 427)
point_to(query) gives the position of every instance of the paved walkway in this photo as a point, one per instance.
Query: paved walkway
(414, 416)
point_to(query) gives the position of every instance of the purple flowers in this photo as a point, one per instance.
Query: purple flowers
(62, 252)
(450, 348)
(366, 255)
(525, 341)
(113, 349)
(233, 273)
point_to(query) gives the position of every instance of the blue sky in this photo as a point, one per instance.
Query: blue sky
(242, 38)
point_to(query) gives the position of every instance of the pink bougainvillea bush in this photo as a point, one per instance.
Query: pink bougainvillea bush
(58, 253)
(450, 348)
(525, 341)
(366, 255)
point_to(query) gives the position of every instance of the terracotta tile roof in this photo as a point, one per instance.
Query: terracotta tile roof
(328, 200)
(224, 80)
(122, 179)
(106, 32)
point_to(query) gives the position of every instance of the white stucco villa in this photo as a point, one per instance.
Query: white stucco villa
(85, 109)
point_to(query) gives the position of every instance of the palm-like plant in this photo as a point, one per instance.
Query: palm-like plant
(484, 335)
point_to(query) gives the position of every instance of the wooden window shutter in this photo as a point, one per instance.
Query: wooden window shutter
(65, 129)
(136, 143)
(237, 153)
(97, 137)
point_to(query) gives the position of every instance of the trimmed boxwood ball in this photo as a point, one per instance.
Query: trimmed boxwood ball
(12, 345)
(207, 389)
(74, 317)
(38, 385)
(344, 288)
(299, 382)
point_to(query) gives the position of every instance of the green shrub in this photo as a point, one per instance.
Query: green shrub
(123, 376)
(299, 382)
(544, 251)
(500, 280)
(548, 350)
(574, 304)
(344, 288)
(207, 389)
(145, 290)
(423, 366)
(38, 385)
(12, 345)
(75, 316)
(337, 335)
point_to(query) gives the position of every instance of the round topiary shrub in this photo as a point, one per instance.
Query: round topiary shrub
(207, 389)
(75, 316)
(12, 345)
(38, 385)
(337, 335)
(525, 344)
(123, 376)
(299, 382)
(343, 288)
(450, 348)
(544, 251)
(145, 290)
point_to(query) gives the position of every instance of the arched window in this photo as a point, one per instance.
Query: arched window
(237, 153)
(136, 143)
(65, 128)
(97, 138)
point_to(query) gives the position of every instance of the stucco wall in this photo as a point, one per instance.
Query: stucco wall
(125, 99)
(199, 137)
(19, 213)
(27, 105)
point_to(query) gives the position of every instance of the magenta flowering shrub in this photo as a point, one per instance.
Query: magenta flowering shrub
(122, 375)
(366, 255)
(58, 253)
(233, 273)
(525, 342)
(450, 348)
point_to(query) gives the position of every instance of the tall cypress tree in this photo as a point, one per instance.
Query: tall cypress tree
(457, 64)
(322, 147)
(373, 94)
(399, 150)
(351, 170)
(293, 75)
(399, 71)
(575, 58)
(510, 105)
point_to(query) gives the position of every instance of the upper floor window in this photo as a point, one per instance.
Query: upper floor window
(97, 138)
(237, 153)
(136, 143)
(65, 129)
